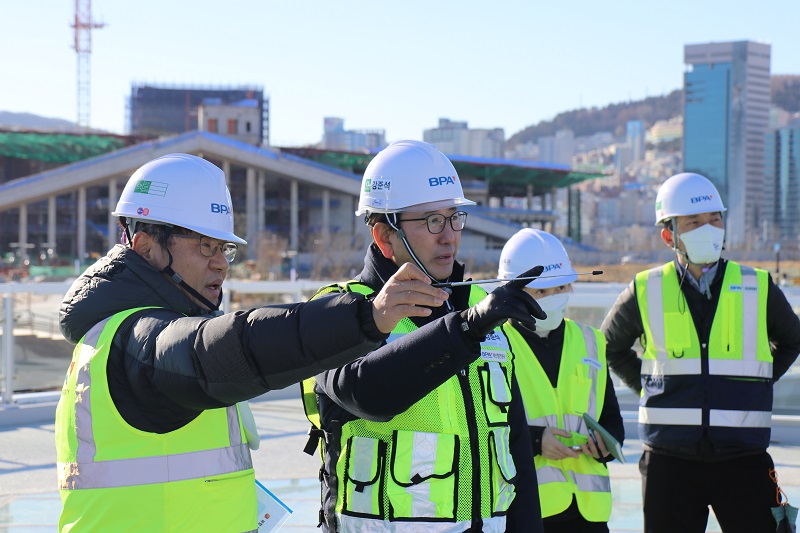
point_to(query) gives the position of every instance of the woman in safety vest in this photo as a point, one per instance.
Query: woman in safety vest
(562, 374)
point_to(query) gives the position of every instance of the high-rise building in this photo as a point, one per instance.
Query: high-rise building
(455, 138)
(782, 185)
(558, 148)
(167, 110)
(634, 134)
(726, 116)
(335, 137)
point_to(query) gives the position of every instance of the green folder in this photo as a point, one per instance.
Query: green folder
(612, 444)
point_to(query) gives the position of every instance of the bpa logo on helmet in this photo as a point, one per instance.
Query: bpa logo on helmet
(441, 180)
(554, 266)
(221, 208)
(702, 198)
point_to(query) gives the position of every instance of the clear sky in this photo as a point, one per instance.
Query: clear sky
(396, 65)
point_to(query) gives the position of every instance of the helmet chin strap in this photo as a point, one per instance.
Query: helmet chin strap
(678, 250)
(130, 229)
(392, 219)
(174, 276)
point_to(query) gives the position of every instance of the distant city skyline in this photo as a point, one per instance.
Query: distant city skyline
(396, 67)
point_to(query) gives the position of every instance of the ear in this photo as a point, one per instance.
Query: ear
(381, 233)
(142, 242)
(666, 236)
(144, 245)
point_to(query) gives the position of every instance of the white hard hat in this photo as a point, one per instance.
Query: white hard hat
(530, 247)
(687, 194)
(410, 174)
(180, 190)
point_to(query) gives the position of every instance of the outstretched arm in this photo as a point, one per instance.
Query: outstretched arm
(193, 363)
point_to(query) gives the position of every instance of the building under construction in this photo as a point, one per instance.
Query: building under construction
(160, 110)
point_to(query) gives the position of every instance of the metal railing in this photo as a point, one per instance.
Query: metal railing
(589, 304)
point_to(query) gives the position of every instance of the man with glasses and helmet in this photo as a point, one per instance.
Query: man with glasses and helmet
(428, 433)
(149, 435)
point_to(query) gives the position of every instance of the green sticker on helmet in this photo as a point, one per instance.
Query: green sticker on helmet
(151, 187)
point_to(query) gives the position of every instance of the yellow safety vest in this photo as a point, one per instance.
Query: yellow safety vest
(436, 465)
(723, 386)
(114, 477)
(581, 387)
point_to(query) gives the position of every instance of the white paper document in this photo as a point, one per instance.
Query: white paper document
(272, 512)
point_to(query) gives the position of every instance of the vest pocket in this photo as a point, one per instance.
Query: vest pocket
(364, 470)
(423, 475)
(496, 393)
(679, 327)
(580, 389)
(503, 471)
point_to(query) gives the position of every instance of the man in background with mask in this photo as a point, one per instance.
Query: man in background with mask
(716, 336)
(562, 374)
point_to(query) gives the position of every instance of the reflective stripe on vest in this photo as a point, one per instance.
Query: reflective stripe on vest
(424, 455)
(364, 498)
(415, 471)
(584, 482)
(656, 360)
(87, 473)
(694, 417)
(504, 490)
(355, 524)
(724, 386)
(581, 385)
(573, 423)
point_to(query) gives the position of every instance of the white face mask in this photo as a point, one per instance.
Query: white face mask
(555, 306)
(704, 244)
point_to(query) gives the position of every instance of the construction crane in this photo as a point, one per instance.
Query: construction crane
(83, 26)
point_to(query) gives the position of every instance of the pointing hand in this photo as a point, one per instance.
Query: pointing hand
(404, 295)
(506, 301)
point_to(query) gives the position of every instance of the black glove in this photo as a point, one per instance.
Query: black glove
(506, 301)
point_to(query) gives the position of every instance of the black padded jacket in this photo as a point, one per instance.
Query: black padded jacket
(387, 382)
(170, 363)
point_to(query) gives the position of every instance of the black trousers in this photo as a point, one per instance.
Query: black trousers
(676, 494)
(577, 525)
(572, 521)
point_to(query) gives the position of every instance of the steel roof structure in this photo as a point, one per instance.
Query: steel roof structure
(335, 172)
(124, 162)
(494, 172)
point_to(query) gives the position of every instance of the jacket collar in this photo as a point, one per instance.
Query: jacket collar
(119, 281)
(378, 269)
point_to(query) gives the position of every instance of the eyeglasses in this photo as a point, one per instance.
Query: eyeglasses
(436, 221)
(209, 247)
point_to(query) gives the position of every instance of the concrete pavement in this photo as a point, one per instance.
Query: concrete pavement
(29, 501)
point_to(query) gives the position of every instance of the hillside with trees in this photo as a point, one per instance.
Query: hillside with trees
(613, 117)
(786, 92)
(29, 121)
